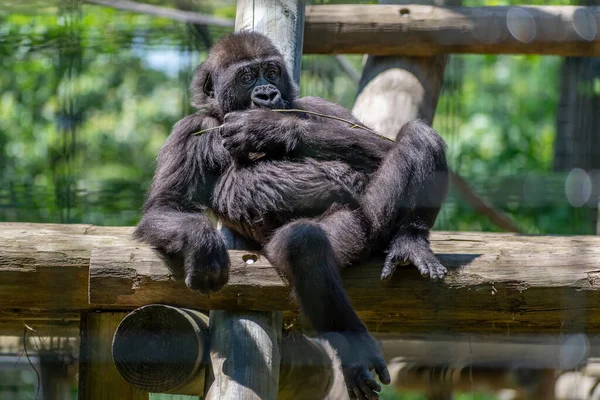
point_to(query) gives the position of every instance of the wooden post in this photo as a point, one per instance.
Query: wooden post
(56, 375)
(395, 90)
(245, 346)
(161, 349)
(282, 20)
(245, 355)
(98, 377)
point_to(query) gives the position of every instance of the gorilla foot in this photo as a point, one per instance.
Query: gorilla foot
(359, 354)
(407, 249)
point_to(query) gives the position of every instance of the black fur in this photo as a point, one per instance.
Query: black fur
(316, 193)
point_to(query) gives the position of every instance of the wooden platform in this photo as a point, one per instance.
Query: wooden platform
(498, 283)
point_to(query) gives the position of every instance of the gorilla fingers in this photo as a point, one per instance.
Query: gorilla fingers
(259, 130)
(190, 244)
(206, 262)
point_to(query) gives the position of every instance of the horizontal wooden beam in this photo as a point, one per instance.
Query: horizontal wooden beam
(498, 283)
(417, 30)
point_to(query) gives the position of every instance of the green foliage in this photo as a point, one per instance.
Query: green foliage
(88, 95)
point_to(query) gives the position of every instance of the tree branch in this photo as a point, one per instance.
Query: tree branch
(171, 13)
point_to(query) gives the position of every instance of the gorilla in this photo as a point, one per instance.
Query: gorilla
(301, 179)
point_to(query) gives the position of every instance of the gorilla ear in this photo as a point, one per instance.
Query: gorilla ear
(208, 87)
(202, 88)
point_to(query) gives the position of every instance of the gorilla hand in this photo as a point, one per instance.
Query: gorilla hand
(206, 262)
(258, 131)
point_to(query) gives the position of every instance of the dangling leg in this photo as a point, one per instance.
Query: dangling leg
(309, 253)
(404, 197)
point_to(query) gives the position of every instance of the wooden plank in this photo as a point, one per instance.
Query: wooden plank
(498, 283)
(48, 264)
(98, 377)
(44, 325)
(417, 30)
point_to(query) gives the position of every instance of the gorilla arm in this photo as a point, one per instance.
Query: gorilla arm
(321, 133)
(172, 219)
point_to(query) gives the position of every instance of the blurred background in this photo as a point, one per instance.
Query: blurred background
(88, 94)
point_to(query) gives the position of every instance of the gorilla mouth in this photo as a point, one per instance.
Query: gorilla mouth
(272, 105)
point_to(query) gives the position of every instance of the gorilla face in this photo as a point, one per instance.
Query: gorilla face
(251, 85)
(242, 71)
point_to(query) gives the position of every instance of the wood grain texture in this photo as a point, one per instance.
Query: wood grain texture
(498, 283)
(245, 355)
(98, 377)
(395, 90)
(281, 20)
(421, 30)
(162, 349)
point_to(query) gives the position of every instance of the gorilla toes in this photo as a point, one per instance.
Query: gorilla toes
(404, 250)
(431, 267)
(360, 383)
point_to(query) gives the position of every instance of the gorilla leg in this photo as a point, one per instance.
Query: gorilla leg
(404, 197)
(309, 254)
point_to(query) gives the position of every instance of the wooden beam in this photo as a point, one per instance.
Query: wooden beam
(98, 377)
(162, 349)
(535, 351)
(417, 30)
(498, 283)
(441, 381)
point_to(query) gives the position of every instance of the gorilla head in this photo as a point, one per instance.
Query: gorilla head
(243, 70)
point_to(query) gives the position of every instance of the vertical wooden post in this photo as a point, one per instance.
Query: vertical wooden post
(56, 376)
(245, 355)
(282, 20)
(245, 346)
(394, 90)
(98, 377)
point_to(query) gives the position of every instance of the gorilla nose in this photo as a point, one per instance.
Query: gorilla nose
(266, 96)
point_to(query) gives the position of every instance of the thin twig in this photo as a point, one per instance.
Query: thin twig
(351, 123)
(482, 206)
(297, 110)
(206, 130)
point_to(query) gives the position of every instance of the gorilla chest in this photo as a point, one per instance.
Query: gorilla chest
(282, 190)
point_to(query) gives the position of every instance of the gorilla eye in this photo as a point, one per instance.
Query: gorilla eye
(247, 78)
(271, 74)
